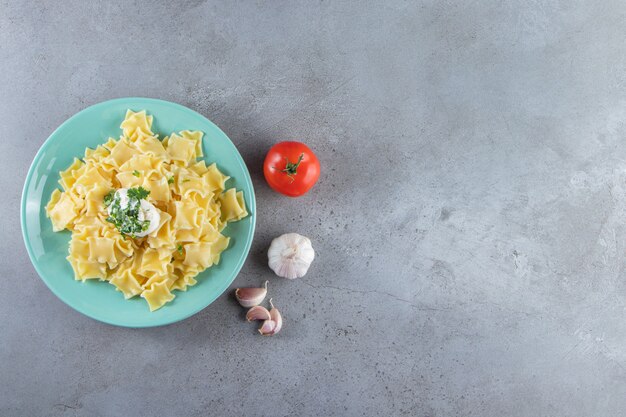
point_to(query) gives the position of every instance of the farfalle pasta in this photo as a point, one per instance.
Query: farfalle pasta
(191, 199)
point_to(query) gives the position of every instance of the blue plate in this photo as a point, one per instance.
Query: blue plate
(48, 250)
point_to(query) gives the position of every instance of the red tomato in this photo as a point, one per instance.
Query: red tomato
(291, 168)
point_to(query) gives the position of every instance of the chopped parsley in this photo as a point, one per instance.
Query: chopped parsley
(138, 193)
(136, 173)
(179, 248)
(108, 199)
(126, 219)
(170, 180)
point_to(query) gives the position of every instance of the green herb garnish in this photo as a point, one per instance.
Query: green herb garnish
(136, 173)
(138, 193)
(179, 248)
(170, 180)
(126, 219)
(108, 199)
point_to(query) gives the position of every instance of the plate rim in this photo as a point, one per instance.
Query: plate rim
(163, 322)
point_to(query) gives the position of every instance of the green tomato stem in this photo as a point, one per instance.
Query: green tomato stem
(291, 169)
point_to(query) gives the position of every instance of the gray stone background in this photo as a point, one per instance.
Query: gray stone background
(469, 221)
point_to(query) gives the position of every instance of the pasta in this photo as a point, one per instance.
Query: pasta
(190, 197)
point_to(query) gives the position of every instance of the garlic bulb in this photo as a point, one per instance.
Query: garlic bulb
(290, 255)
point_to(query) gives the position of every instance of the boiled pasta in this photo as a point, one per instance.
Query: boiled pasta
(190, 197)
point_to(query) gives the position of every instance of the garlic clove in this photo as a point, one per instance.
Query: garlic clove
(290, 255)
(258, 313)
(267, 329)
(276, 317)
(250, 297)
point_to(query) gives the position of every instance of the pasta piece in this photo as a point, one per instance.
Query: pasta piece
(78, 201)
(184, 275)
(94, 200)
(96, 155)
(122, 248)
(164, 235)
(182, 283)
(152, 261)
(206, 204)
(231, 207)
(101, 249)
(67, 177)
(110, 144)
(79, 247)
(126, 282)
(214, 179)
(135, 124)
(198, 254)
(188, 235)
(209, 232)
(62, 212)
(217, 247)
(196, 137)
(186, 215)
(79, 171)
(88, 180)
(122, 152)
(159, 189)
(54, 199)
(91, 226)
(194, 185)
(154, 278)
(87, 270)
(128, 179)
(180, 148)
(141, 162)
(151, 146)
(199, 167)
(158, 295)
(216, 221)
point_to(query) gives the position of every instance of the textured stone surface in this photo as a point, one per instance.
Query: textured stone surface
(469, 221)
